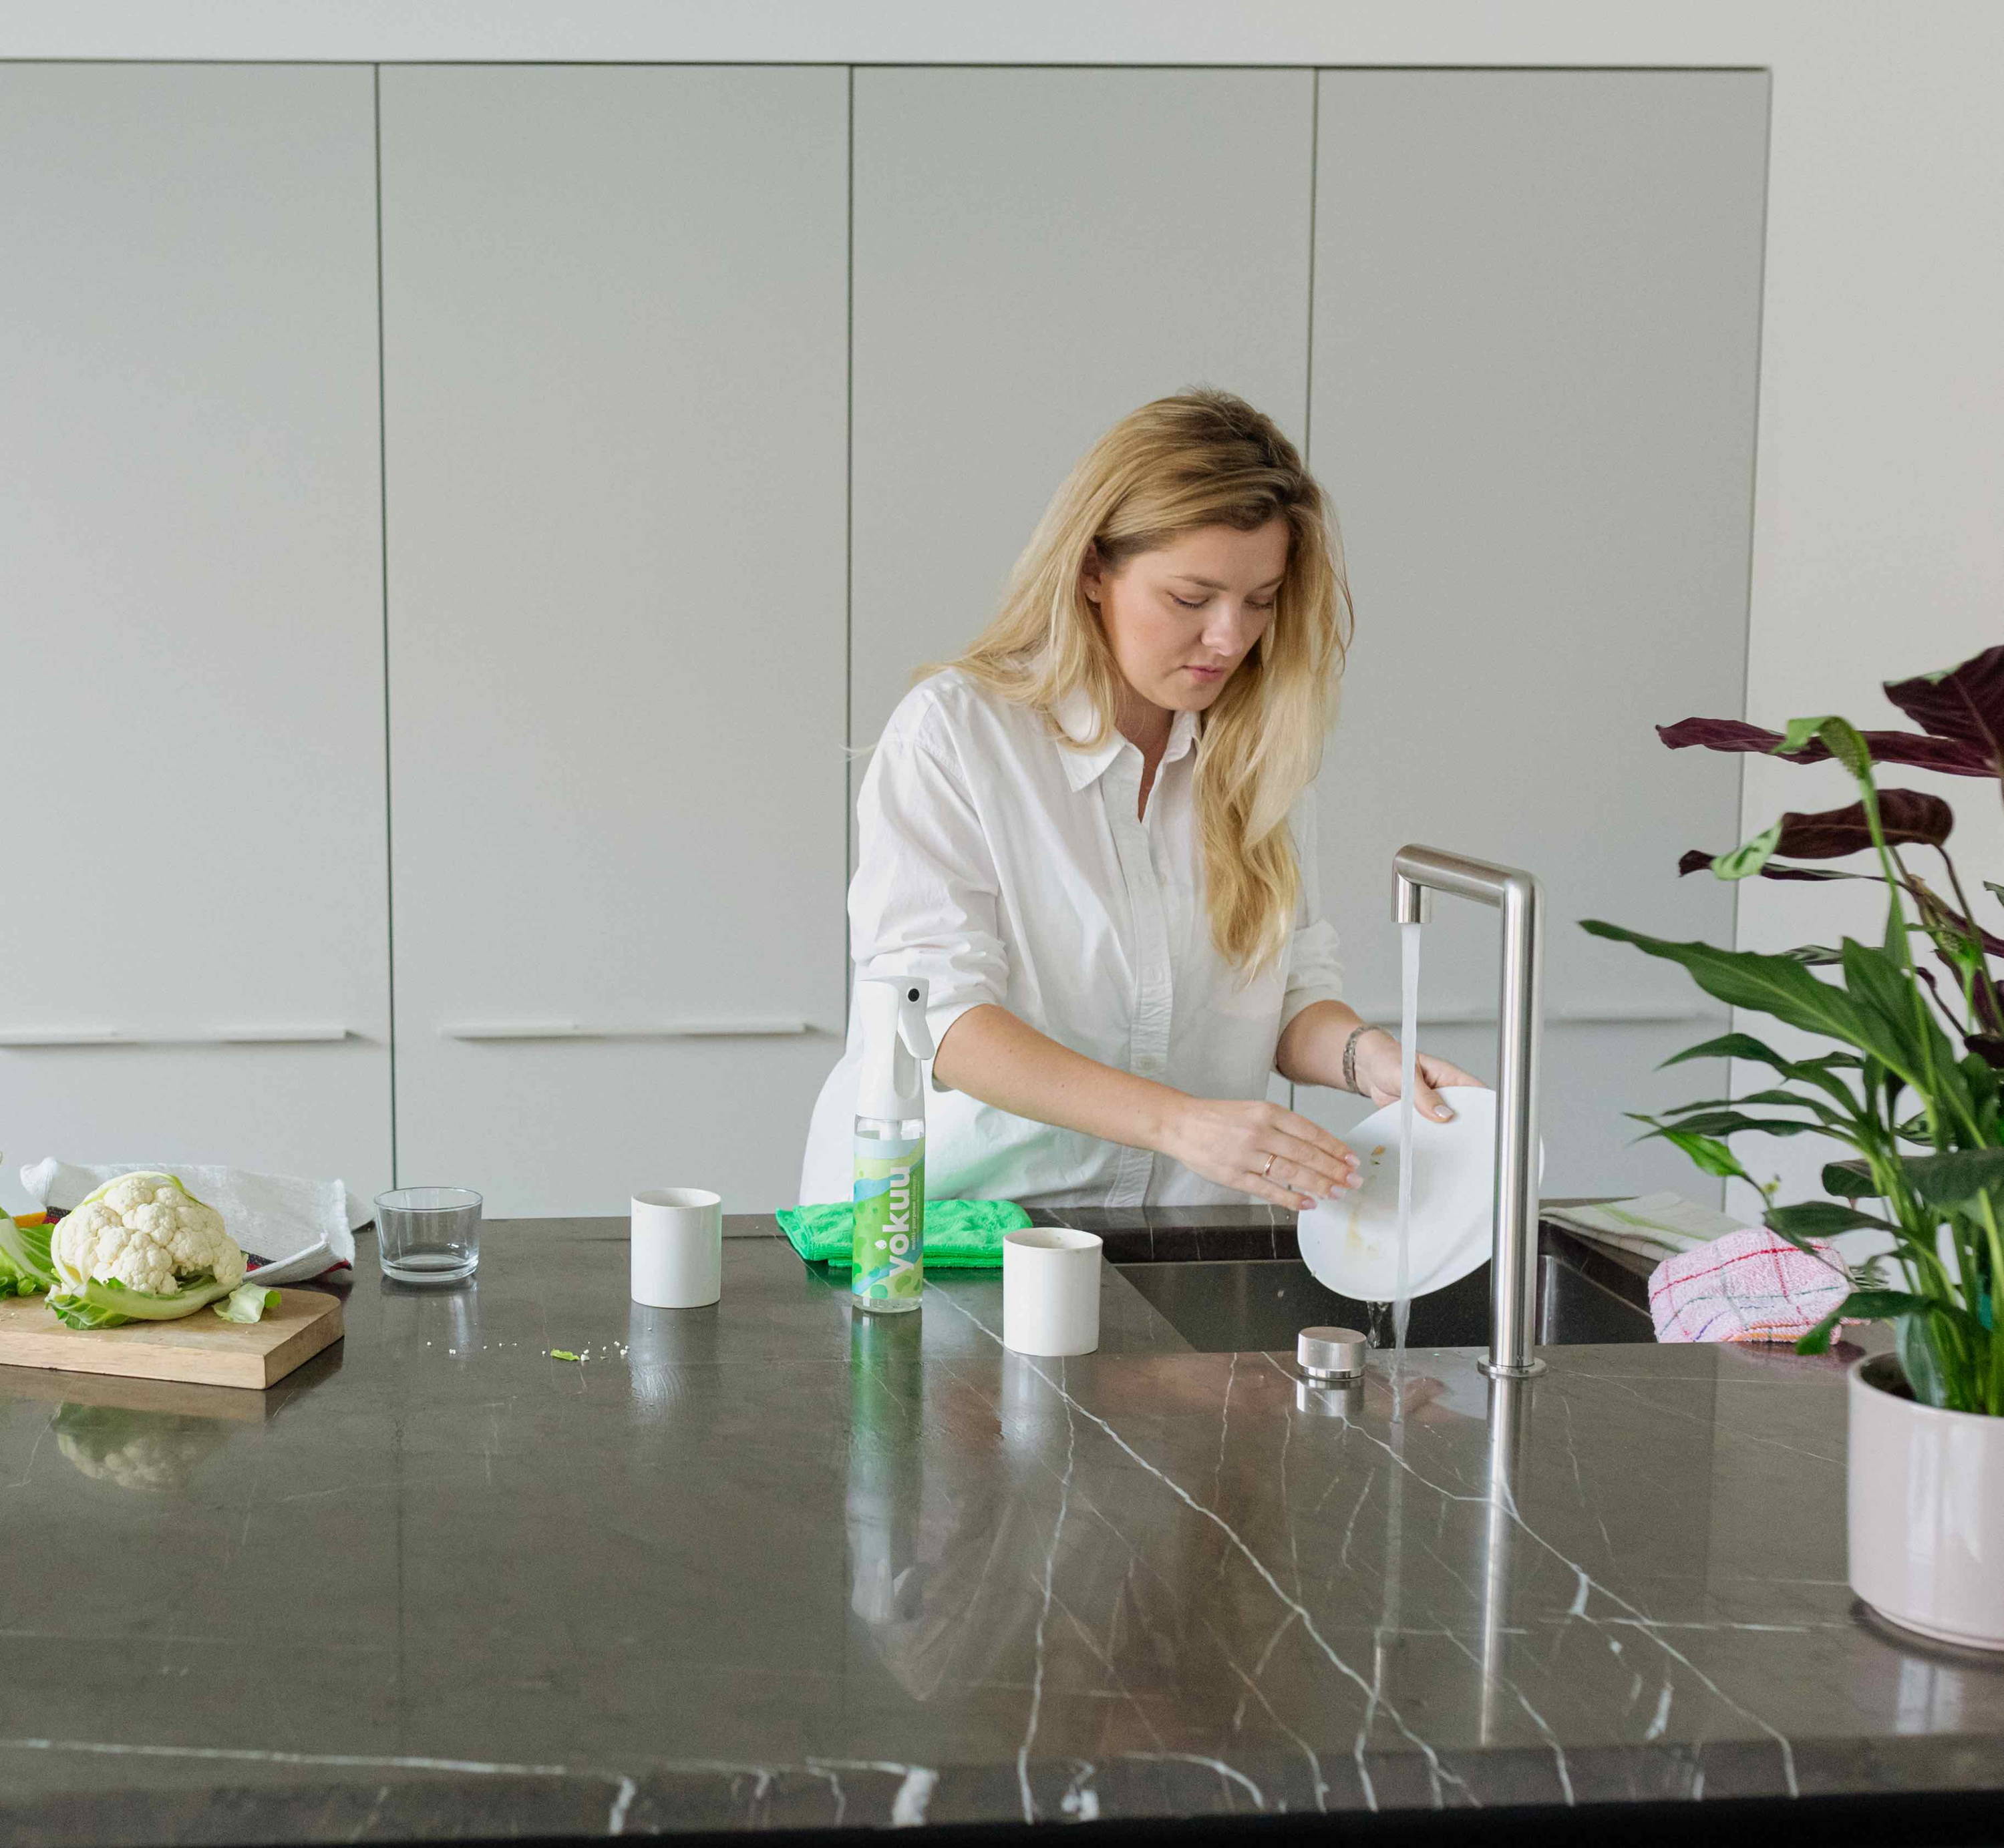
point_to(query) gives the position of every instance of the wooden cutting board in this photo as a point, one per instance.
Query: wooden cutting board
(202, 1348)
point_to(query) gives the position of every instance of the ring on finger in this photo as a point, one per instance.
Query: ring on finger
(1269, 1168)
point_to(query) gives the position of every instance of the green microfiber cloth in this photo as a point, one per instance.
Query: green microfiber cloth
(959, 1235)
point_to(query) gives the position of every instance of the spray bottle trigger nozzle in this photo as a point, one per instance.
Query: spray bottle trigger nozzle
(912, 1028)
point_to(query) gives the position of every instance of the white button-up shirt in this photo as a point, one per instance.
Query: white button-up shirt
(1005, 867)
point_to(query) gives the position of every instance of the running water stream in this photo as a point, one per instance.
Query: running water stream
(1408, 1032)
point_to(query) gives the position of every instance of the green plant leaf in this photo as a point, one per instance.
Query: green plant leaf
(1736, 1122)
(1815, 1106)
(1779, 1097)
(1958, 1180)
(1846, 744)
(1850, 1180)
(1821, 1219)
(1820, 1071)
(1773, 984)
(1817, 1340)
(1714, 1157)
(1881, 988)
(1821, 1111)
(1729, 1045)
(1920, 1359)
(1887, 1305)
(1803, 731)
(1744, 861)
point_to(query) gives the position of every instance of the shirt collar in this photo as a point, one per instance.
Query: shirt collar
(1074, 715)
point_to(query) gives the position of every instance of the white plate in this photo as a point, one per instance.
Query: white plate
(1351, 1245)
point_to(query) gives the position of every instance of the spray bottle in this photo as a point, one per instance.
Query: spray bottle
(888, 1263)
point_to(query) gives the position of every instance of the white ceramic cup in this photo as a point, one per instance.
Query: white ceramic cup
(1050, 1291)
(677, 1248)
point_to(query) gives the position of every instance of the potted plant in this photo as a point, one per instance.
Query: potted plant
(1914, 1089)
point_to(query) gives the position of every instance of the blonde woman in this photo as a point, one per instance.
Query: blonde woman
(1093, 833)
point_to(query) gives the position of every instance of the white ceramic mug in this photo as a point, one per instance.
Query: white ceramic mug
(1050, 1291)
(677, 1248)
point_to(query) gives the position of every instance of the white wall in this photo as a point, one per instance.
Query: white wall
(1879, 545)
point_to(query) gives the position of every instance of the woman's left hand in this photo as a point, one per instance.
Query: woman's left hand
(1379, 1078)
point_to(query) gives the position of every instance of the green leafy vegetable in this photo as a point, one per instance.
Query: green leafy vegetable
(26, 1268)
(562, 1354)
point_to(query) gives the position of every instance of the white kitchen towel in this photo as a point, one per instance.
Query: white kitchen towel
(299, 1228)
(1657, 1225)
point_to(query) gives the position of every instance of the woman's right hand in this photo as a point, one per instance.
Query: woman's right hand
(1261, 1149)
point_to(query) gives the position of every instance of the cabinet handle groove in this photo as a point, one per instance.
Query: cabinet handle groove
(570, 1029)
(24, 1037)
(1593, 1014)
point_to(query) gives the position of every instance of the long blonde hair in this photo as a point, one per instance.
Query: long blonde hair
(1202, 458)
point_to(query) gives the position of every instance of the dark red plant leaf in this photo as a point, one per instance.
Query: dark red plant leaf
(1990, 1011)
(1952, 756)
(1965, 704)
(1988, 1047)
(1730, 734)
(1907, 817)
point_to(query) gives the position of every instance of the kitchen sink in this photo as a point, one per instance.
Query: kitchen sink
(1260, 1304)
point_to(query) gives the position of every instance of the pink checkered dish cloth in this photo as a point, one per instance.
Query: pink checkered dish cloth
(1751, 1285)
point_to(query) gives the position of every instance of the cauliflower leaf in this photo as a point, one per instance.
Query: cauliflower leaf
(247, 1303)
(108, 1304)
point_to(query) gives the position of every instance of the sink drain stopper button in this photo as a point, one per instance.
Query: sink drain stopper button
(1332, 1353)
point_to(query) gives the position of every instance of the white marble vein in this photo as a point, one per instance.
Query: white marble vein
(1662, 1719)
(1044, 1618)
(1586, 1585)
(1218, 1764)
(1435, 1772)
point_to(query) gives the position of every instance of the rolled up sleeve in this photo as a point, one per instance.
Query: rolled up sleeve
(925, 899)
(1315, 973)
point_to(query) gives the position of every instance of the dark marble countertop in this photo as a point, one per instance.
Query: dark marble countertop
(763, 1565)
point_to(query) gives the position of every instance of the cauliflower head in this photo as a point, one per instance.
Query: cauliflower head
(144, 1234)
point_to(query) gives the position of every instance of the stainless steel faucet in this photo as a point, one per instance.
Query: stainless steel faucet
(1513, 1279)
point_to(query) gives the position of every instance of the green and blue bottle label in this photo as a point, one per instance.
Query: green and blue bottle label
(887, 1260)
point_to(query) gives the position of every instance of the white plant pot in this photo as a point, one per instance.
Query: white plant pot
(1926, 1493)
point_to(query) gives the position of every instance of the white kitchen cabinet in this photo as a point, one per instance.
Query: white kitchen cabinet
(614, 311)
(193, 949)
(1537, 313)
(1038, 252)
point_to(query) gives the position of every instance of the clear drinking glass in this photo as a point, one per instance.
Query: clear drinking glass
(428, 1234)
